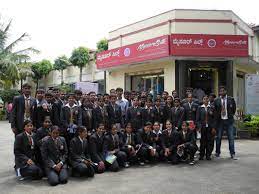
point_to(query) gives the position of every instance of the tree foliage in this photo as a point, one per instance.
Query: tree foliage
(61, 63)
(102, 45)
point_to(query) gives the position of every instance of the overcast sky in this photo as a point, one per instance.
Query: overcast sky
(56, 27)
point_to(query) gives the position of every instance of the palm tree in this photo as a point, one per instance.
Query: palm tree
(10, 58)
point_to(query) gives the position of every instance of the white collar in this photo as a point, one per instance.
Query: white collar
(205, 106)
(80, 139)
(27, 97)
(159, 132)
(30, 135)
(67, 105)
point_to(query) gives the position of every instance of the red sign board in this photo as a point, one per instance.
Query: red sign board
(209, 45)
(146, 50)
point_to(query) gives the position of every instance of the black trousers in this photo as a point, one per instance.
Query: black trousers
(145, 154)
(173, 157)
(119, 162)
(206, 142)
(130, 158)
(190, 150)
(32, 171)
(55, 178)
(83, 170)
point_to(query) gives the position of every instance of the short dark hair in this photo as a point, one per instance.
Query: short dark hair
(78, 92)
(54, 127)
(26, 85)
(40, 90)
(147, 124)
(213, 95)
(26, 122)
(177, 99)
(119, 89)
(49, 94)
(222, 87)
(81, 129)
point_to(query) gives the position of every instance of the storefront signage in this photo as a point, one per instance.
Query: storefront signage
(139, 52)
(209, 45)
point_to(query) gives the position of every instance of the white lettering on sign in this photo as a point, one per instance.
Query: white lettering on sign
(198, 42)
(151, 44)
(179, 42)
(108, 55)
(235, 42)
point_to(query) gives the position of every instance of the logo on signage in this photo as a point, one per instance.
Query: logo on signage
(212, 43)
(126, 52)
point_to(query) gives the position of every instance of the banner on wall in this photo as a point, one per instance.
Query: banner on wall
(252, 94)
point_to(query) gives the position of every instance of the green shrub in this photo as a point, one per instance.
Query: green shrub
(7, 95)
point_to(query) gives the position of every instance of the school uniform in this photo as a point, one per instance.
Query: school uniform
(167, 113)
(135, 116)
(157, 136)
(111, 143)
(71, 117)
(23, 109)
(114, 115)
(39, 113)
(96, 150)
(54, 152)
(148, 114)
(55, 113)
(206, 121)
(78, 153)
(190, 111)
(101, 116)
(129, 141)
(177, 117)
(170, 139)
(159, 114)
(88, 118)
(24, 149)
(189, 141)
(146, 143)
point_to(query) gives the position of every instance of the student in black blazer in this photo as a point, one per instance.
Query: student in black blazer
(55, 154)
(114, 112)
(177, 114)
(146, 144)
(190, 109)
(148, 111)
(80, 158)
(129, 140)
(167, 109)
(23, 107)
(225, 109)
(170, 140)
(71, 117)
(157, 136)
(206, 125)
(101, 113)
(112, 146)
(39, 111)
(96, 148)
(159, 112)
(135, 115)
(187, 143)
(88, 115)
(25, 156)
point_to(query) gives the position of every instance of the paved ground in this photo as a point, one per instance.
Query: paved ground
(217, 176)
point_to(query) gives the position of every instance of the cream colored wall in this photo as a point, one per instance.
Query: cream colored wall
(116, 78)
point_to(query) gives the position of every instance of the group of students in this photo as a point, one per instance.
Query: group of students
(92, 133)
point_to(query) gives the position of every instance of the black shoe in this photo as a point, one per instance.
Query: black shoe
(201, 158)
(208, 158)
(217, 155)
(233, 157)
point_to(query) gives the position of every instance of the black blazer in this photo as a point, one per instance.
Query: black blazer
(40, 134)
(101, 116)
(159, 114)
(170, 141)
(167, 113)
(146, 139)
(65, 116)
(109, 144)
(52, 154)
(135, 116)
(201, 117)
(114, 116)
(96, 147)
(88, 117)
(231, 108)
(177, 117)
(18, 110)
(189, 138)
(190, 113)
(78, 151)
(148, 115)
(133, 140)
(23, 151)
(39, 114)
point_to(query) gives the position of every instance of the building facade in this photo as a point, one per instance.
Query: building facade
(202, 49)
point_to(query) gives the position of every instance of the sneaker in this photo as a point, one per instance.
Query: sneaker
(127, 165)
(233, 157)
(141, 163)
(217, 155)
(192, 162)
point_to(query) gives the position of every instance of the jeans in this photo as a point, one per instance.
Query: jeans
(228, 125)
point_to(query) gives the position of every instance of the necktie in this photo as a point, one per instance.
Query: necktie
(223, 111)
(30, 139)
(206, 116)
(71, 115)
(27, 108)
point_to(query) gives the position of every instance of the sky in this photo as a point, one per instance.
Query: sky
(56, 27)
